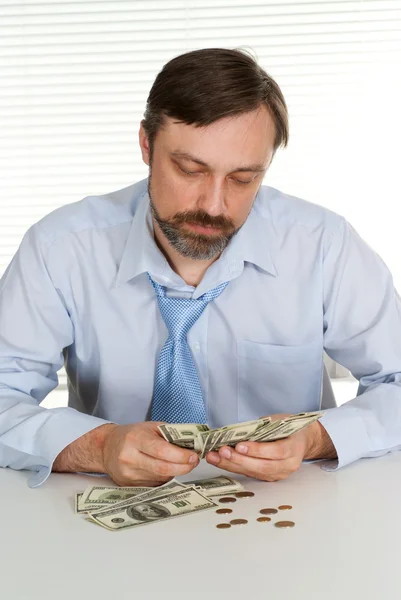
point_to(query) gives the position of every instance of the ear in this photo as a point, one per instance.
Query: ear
(144, 144)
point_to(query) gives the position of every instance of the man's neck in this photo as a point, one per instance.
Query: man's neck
(190, 270)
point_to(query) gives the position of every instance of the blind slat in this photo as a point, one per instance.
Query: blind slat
(75, 77)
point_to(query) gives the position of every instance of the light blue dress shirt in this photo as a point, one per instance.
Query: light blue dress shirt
(300, 280)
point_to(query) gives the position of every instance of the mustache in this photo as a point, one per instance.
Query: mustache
(202, 218)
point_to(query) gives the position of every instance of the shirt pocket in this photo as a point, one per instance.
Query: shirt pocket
(278, 379)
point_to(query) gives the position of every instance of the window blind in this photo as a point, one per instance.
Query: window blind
(75, 77)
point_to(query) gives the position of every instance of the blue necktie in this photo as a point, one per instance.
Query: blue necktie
(177, 394)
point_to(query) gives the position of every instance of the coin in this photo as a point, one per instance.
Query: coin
(224, 511)
(283, 524)
(285, 507)
(223, 525)
(244, 494)
(268, 511)
(263, 519)
(239, 522)
(227, 499)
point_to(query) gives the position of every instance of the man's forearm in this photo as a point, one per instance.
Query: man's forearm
(321, 445)
(85, 453)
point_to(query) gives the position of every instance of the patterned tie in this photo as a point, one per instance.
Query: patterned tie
(177, 394)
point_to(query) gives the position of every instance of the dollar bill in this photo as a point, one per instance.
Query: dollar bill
(170, 486)
(79, 508)
(144, 511)
(182, 434)
(229, 435)
(213, 486)
(216, 486)
(101, 495)
(202, 439)
(287, 428)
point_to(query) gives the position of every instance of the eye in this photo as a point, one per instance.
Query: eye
(242, 182)
(187, 172)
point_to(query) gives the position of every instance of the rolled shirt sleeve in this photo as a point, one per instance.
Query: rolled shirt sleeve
(35, 327)
(362, 331)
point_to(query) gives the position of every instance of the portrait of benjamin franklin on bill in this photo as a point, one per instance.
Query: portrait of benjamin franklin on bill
(147, 512)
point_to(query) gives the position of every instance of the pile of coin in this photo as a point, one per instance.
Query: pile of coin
(263, 511)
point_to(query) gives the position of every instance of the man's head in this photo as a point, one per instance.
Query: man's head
(213, 121)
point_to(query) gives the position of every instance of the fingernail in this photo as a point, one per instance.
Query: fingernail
(193, 458)
(214, 458)
(226, 453)
(242, 448)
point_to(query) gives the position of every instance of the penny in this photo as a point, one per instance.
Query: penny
(268, 511)
(227, 499)
(223, 525)
(284, 524)
(285, 507)
(263, 519)
(224, 511)
(244, 494)
(239, 522)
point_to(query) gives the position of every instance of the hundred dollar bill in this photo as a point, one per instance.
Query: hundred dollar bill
(113, 498)
(79, 508)
(228, 436)
(145, 511)
(182, 434)
(110, 495)
(202, 439)
(216, 486)
(152, 492)
(82, 509)
(105, 495)
(289, 427)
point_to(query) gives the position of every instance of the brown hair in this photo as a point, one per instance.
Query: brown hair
(202, 86)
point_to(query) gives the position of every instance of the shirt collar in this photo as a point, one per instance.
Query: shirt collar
(141, 253)
(253, 243)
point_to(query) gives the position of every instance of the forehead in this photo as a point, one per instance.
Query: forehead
(245, 138)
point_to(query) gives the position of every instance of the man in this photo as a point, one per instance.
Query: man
(196, 295)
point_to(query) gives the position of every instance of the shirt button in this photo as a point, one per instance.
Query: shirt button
(197, 347)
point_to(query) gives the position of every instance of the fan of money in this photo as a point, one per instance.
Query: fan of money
(202, 439)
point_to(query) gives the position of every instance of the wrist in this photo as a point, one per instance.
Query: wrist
(102, 438)
(85, 453)
(319, 444)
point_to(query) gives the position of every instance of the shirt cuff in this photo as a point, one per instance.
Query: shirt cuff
(66, 426)
(347, 430)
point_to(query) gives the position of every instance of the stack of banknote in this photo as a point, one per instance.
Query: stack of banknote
(201, 439)
(124, 507)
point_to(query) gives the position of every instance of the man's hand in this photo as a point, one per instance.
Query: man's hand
(272, 461)
(130, 454)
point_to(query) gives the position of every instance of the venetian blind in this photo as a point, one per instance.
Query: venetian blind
(75, 77)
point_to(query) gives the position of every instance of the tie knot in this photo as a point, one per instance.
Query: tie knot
(179, 314)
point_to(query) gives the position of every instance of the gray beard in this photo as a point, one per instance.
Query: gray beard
(191, 245)
(195, 246)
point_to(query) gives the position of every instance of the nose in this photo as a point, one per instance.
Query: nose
(212, 198)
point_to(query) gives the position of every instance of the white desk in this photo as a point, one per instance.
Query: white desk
(346, 543)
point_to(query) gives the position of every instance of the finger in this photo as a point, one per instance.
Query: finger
(252, 467)
(279, 450)
(160, 470)
(157, 447)
(265, 469)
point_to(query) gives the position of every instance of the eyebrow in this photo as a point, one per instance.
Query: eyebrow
(186, 155)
